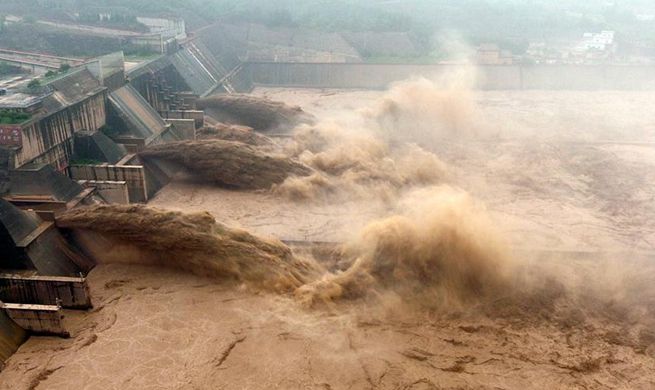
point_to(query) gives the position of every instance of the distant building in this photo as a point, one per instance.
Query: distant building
(491, 54)
(542, 53)
(601, 41)
(594, 47)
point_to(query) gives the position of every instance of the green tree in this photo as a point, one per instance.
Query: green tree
(34, 84)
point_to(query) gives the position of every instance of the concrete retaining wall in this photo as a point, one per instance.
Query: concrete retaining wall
(40, 319)
(49, 140)
(197, 116)
(133, 175)
(111, 191)
(184, 127)
(130, 111)
(43, 181)
(11, 337)
(158, 175)
(241, 82)
(159, 83)
(379, 76)
(69, 292)
(50, 254)
(97, 146)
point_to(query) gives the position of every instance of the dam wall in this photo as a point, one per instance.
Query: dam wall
(77, 103)
(132, 175)
(199, 69)
(490, 77)
(135, 114)
(159, 82)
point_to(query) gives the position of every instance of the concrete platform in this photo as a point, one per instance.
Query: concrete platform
(68, 292)
(37, 319)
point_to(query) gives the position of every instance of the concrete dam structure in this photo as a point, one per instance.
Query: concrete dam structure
(70, 104)
(74, 144)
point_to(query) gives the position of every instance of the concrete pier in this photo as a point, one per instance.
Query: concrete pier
(38, 319)
(69, 292)
(11, 336)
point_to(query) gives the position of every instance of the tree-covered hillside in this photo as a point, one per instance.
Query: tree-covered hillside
(510, 23)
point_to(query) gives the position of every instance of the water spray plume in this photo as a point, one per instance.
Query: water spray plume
(441, 251)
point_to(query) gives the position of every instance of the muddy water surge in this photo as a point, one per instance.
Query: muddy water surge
(227, 163)
(259, 113)
(192, 242)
